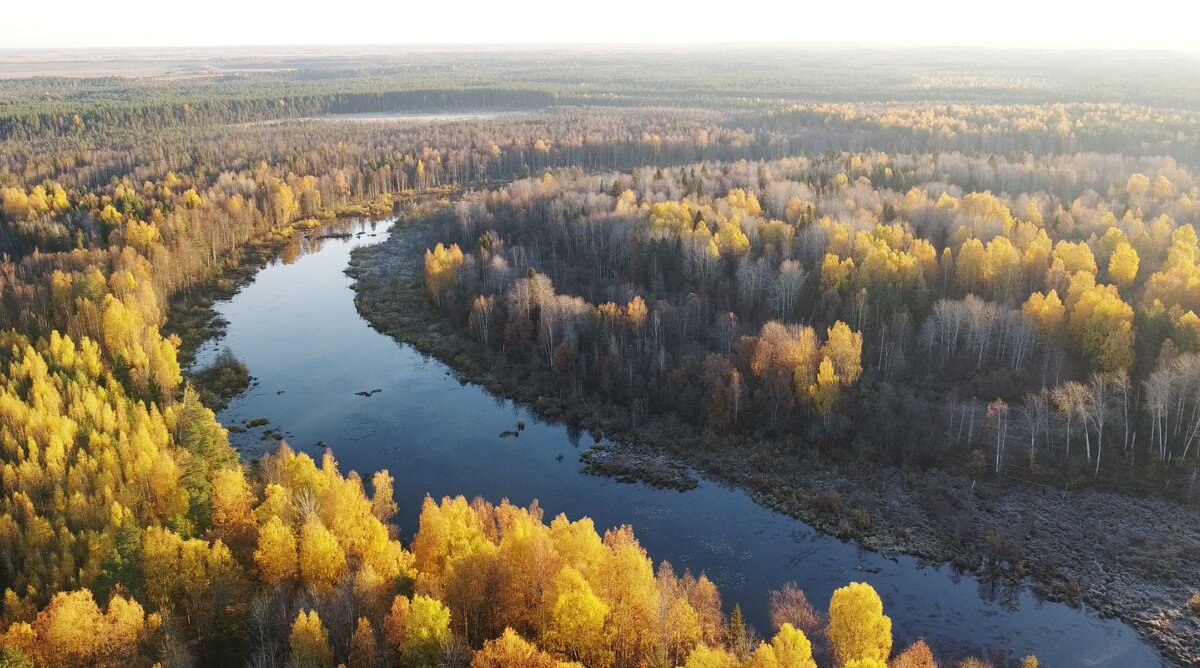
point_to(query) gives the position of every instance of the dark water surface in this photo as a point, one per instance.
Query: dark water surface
(297, 329)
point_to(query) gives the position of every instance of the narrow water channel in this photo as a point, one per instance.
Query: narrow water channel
(297, 329)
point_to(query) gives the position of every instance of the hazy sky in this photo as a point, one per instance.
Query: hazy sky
(1025, 23)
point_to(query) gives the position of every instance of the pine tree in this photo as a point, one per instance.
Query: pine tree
(737, 638)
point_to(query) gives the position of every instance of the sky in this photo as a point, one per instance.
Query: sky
(1169, 24)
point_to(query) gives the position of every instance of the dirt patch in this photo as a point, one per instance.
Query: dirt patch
(628, 465)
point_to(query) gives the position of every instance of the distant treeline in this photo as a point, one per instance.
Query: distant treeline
(729, 80)
(65, 118)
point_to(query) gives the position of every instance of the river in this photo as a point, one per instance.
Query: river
(296, 328)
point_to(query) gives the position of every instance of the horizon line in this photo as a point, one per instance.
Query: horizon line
(655, 46)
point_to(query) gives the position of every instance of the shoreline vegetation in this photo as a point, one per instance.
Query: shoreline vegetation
(285, 560)
(1007, 531)
(191, 315)
(132, 534)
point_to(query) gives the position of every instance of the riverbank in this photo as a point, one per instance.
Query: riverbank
(191, 315)
(1126, 557)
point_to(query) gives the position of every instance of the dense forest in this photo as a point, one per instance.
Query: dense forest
(1029, 330)
(996, 272)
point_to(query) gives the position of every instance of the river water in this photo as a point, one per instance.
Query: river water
(297, 329)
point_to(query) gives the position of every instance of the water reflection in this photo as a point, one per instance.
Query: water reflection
(1001, 592)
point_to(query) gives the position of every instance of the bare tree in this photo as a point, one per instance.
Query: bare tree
(1098, 406)
(1035, 411)
(1070, 398)
(481, 317)
(785, 289)
(1173, 400)
(998, 411)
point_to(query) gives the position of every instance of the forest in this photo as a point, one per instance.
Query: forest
(680, 290)
(992, 272)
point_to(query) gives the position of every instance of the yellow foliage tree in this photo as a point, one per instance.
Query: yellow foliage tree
(1075, 256)
(1177, 282)
(627, 584)
(867, 662)
(232, 508)
(15, 204)
(426, 631)
(1100, 323)
(858, 629)
(383, 505)
(636, 312)
(309, 642)
(1002, 266)
(1123, 264)
(183, 573)
(1161, 187)
(71, 628)
(748, 202)
(790, 648)
(706, 601)
(395, 625)
(917, 655)
(441, 269)
(447, 531)
(510, 650)
(1036, 257)
(1187, 332)
(1138, 185)
(364, 648)
(683, 630)
(283, 203)
(836, 272)
(577, 615)
(1046, 312)
(578, 544)
(843, 348)
(731, 240)
(73, 631)
(708, 657)
(277, 556)
(321, 558)
(969, 264)
(141, 236)
(824, 391)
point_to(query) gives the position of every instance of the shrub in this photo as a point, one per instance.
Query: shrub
(829, 503)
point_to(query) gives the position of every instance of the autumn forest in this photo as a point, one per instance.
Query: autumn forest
(941, 304)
